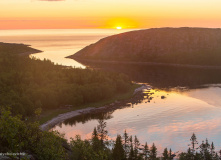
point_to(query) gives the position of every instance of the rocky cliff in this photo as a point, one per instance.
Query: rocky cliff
(197, 46)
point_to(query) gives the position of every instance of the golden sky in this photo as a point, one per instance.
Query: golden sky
(29, 14)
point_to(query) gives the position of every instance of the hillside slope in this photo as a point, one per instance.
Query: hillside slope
(196, 46)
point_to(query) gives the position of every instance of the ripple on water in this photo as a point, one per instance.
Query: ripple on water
(167, 122)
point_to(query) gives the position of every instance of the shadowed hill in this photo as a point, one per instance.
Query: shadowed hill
(195, 46)
(16, 49)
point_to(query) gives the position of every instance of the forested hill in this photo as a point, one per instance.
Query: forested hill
(195, 46)
(29, 84)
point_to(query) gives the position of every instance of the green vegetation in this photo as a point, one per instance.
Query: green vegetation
(128, 148)
(19, 136)
(28, 84)
(49, 114)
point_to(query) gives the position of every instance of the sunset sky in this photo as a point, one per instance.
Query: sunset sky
(36, 14)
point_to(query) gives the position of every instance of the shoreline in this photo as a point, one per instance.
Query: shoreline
(30, 49)
(144, 63)
(30, 53)
(61, 117)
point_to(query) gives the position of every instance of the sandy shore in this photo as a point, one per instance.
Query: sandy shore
(61, 117)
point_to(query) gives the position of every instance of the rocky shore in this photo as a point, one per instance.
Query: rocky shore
(137, 96)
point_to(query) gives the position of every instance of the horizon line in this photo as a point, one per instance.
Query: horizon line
(106, 28)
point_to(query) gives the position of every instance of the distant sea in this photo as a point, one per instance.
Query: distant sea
(57, 44)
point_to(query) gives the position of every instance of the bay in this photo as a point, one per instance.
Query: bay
(192, 103)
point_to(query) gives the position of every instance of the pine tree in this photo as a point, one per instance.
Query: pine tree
(216, 157)
(220, 154)
(170, 155)
(102, 132)
(96, 144)
(212, 151)
(189, 154)
(165, 154)
(126, 143)
(95, 134)
(146, 151)
(153, 152)
(118, 150)
(131, 154)
(207, 150)
(136, 147)
(193, 143)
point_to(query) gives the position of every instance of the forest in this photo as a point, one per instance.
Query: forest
(28, 84)
(19, 136)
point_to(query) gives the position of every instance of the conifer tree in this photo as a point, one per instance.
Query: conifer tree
(205, 150)
(95, 134)
(131, 154)
(96, 144)
(118, 150)
(216, 156)
(165, 154)
(136, 147)
(146, 151)
(102, 132)
(170, 155)
(220, 154)
(212, 151)
(153, 152)
(193, 143)
(126, 143)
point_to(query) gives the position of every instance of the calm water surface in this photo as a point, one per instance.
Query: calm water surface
(192, 103)
(57, 44)
(167, 122)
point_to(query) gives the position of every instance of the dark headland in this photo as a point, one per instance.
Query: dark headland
(17, 49)
(177, 46)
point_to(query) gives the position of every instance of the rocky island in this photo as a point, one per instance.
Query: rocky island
(180, 46)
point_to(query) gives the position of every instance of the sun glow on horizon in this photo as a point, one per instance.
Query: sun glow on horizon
(121, 23)
(73, 14)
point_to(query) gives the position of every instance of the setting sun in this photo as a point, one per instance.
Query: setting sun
(119, 27)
